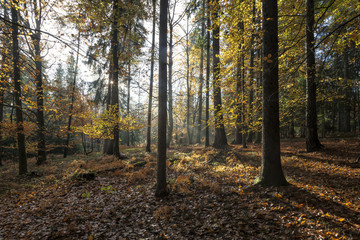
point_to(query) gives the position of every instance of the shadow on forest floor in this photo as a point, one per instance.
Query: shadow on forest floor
(212, 196)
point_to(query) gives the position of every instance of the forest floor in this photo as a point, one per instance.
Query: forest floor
(212, 196)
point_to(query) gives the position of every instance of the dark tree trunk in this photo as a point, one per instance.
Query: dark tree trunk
(109, 143)
(17, 90)
(161, 188)
(128, 106)
(220, 135)
(115, 87)
(73, 87)
(239, 138)
(271, 168)
(201, 77)
(312, 139)
(207, 130)
(2, 90)
(39, 87)
(188, 131)
(148, 134)
(171, 119)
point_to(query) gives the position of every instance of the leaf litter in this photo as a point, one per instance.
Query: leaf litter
(212, 196)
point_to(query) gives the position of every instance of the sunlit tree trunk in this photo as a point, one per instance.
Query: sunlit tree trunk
(148, 133)
(109, 143)
(312, 139)
(17, 90)
(161, 188)
(271, 169)
(220, 140)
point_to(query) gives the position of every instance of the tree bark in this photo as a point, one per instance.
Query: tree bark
(148, 134)
(312, 139)
(17, 90)
(39, 86)
(207, 98)
(161, 188)
(128, 106)
(220, 135)
(188, 130)
(271, 168)
(201, 77)
(170, 100)
(73, 87)
(115, 87)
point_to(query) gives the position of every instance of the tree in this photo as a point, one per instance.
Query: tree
(72, 99)
(220, 135)
(17, 89)
(312, 139)
(148, 134)
(271, 169)
(161, 188)
(207, 81)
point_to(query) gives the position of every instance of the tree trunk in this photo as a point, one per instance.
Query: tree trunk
(271, 168)
(201, 77)
(312, 139)
(188, 131)
(109, 143)
(161, 188)
(17, 90)
(39, 87)
(128, 106)
(73, 87)
(148, 134)
(115, 87)
(220, 135)
(207, 130)
(171, 119)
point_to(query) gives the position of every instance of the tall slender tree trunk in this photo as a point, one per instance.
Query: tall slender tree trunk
(128, 106)
(161, 188)
(220, 135)
(207, 84)
(115, 87)
(201, 77)
(17, 90)
(73, 87)
(2, 79)
(148, 134)
(109, 143)
(312, 139)
(188, 130)
(170, 100)
(271, 169)
(239, 138)
(39, 86)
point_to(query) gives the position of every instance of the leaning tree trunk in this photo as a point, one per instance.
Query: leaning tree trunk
(220, 135)
(17, 90)
(312, 139)
(271, 168)
(161, 188)
(148, 134)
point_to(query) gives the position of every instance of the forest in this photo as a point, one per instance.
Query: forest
(179, 119)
